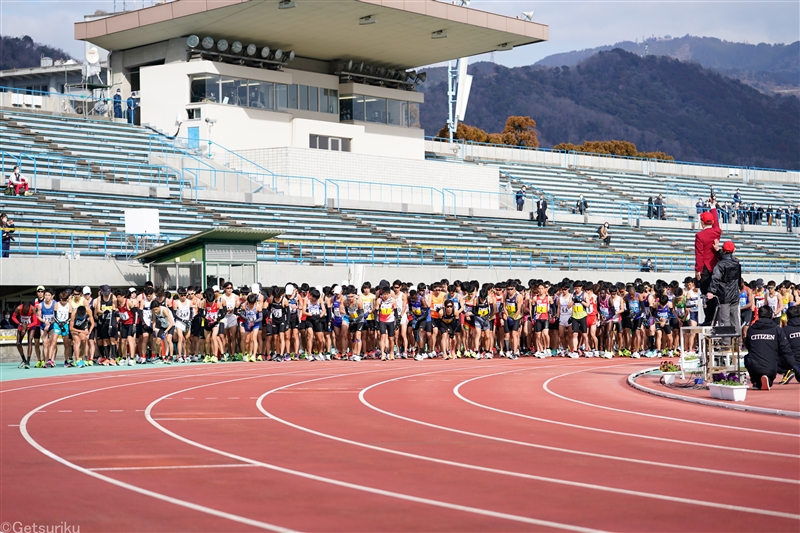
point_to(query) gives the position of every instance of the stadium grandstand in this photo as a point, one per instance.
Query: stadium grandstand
(249, 117)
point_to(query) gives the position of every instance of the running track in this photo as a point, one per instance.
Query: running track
(526, 445)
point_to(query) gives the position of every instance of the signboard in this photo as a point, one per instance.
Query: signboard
(142, 222)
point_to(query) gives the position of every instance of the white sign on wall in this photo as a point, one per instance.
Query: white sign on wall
(142, 222)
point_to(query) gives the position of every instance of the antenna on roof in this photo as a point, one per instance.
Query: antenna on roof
(527, 15)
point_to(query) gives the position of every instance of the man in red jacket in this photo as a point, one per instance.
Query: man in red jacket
(706, 245)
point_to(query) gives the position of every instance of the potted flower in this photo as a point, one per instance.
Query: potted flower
(728, 387)
(669, 371)
(690, 362)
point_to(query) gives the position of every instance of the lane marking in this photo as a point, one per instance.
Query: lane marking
(115, 411)
(363, 488)
(590, 486)
(572, 451)
(457, 392)
(546, 387)
(133, 488)
(217, 418)
(177, 467)
(90, 410)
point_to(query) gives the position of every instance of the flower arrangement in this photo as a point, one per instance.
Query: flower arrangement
(731, 379)
(667, 366)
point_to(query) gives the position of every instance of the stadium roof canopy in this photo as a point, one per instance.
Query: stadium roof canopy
(324, 30)
(219, 235)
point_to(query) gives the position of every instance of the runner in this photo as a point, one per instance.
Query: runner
(107, 331)
(251, 313)
(184, 310)
(81, 326)
(47, 316)
(26, 320)
(387, 323)
(125, 311)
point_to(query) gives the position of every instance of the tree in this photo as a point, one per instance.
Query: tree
(618, 148)
(519, 131)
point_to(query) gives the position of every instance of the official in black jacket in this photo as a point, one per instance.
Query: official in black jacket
(791, 365)
(766, 345)
(725, 287)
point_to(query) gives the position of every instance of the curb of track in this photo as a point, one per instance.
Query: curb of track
(702, 401)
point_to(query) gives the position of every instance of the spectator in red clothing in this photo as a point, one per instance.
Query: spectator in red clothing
(26, 322)
(706, 245)
(18, 181)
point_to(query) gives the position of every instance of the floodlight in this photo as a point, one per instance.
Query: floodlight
(193, 41)
(349, 66)
(291, 55)
(236, 47)
(361, 67)
(411, 74)
(391, 73)
(369, 19)
(287, 57)
(251, 49)
(265, 52)
(278, 54)
(527, 15)
(208, 43)
(222, 45)
(286, 4)
(422, 77)
(439, 34)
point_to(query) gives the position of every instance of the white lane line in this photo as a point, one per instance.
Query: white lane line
(217, 418)
(115, 411)
(177, 467)
(568, 450)
(457, 392)
(13, 425)
(90, 410)
(188, 398)
(65, 411)
(210, 398)
(546, 387)
(233, 398)
(363, 488)
(158, 496)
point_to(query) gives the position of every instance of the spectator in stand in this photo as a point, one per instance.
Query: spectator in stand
(647, 266)
(760, 215)
(541, 211)
(706, 244)
(712, 195)
(650, 207)
(18, 182)
(789, 218)
(7, 226)
(604, 235)
(701, 207)
(131, 103)
(521, 198)
(118, 104)
(658, 210)
(6, 323)
(737, 197)
(581, 206)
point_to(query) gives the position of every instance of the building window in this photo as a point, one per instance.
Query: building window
(354, 107)
(282, 95)
(313, 99)
(204, 88)
(260, 94)
(329, 101)
(324, 142)
(293, 96)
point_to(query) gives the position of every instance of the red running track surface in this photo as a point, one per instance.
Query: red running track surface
(526, 445)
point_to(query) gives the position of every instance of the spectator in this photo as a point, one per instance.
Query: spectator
(647, 266)
(712, 195)
(521, 198)
(18, 182)
(541, 211)
(650, 207)
(659, 208)
(581, 206)
(737, 197)
(604, 235)
(787, 213)
(6, 322)
(118, 104)
(759, 214)
(700, 206)
(131, 108)
(7, 226)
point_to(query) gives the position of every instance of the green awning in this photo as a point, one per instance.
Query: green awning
(216, 235)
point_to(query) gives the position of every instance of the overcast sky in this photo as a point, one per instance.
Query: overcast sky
(574, 25)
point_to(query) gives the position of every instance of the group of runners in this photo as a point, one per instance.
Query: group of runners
(401, 320)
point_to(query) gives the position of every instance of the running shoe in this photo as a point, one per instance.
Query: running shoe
(635, 355)
(130, 362)
(418, 357)
(27, 366)
(39, 364)
(787, 377)
(80, 363)
(355, 358)
(21, 365)
(764, 383)
(90, 362)
(488, 355)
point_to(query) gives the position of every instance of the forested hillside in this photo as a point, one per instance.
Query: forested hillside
(658, 103)
(22, 52)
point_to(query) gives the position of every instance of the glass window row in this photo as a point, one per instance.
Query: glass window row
(262, 94)
(359, 108)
